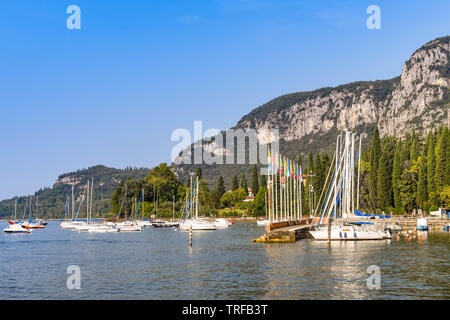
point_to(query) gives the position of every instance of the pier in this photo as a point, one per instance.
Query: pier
(287, 231)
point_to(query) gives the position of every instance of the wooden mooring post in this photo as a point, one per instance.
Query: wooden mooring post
(329, 230)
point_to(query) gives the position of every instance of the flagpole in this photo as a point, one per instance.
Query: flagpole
(285, 192)
(276, 197)
(281, 191)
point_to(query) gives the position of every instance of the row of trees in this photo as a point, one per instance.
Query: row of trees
(401, 175)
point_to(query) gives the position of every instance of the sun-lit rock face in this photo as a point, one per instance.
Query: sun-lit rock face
(417, 98)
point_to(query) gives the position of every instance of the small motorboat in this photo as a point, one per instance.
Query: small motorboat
(447, 228)
(101, 228)
(17, 228)
(128, 226)
(32, 225)
(221, 223)
(165, 224)
(197, 224)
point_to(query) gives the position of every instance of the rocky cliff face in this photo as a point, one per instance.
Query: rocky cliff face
(417, 99)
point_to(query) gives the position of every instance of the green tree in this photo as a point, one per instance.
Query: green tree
(260, 202)
(244, 184)
(441, 160)
(255, 183)
(397, 175)
(239, 195)
(227, 200)
(221, 186)
(384, 181)
(374, 160)
(263, 182)
(198, 173)
(431, 168)
(234, 183)
(422, 185)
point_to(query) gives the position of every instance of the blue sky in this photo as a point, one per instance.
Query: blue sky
(113, 92)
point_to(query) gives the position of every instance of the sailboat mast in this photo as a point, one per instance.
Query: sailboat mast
(15, 209)
(73, 203)
(196, 202)
(92, 195)
(173, 209)
(359, 169)
(29, 216)
(87, 201)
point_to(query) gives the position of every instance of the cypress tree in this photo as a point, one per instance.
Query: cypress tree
(384, 184)
(244, 184)
(198, 173)
(255, 184)
(422, 185)
(220, 187)
(415, 151)
(263, 182)
(234, 183)
(318, 176)
(397, 175)
(447, 156)
(431, 168)
(374, 160)
(441, 153)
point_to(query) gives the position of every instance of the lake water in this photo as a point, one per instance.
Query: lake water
(223, 264)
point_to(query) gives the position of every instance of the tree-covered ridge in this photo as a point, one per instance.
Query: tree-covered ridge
(379, 89)
(52, 199)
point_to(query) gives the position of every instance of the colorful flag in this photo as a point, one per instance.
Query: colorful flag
(269, 159)
(292, 171)
(301, 174)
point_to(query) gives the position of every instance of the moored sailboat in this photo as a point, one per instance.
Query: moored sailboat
(337, 218)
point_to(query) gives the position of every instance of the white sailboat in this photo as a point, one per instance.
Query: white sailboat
(337, 215)
(195, 223)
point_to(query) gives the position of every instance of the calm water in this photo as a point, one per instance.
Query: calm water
(223, 264)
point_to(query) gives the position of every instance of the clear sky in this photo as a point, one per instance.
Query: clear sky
(112, 92)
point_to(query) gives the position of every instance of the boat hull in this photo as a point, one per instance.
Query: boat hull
(348, 233)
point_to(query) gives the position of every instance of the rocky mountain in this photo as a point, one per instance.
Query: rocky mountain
(52, 200)
(417, 99)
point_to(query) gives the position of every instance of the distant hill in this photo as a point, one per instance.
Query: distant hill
(52, 200)
(417, 99)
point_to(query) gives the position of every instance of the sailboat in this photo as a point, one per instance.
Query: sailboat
(126, 226)
(94, 226)
(15, 226)
(31, 224)
(167, 224)
(74, 223)
(338, 219)
(195, 223)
